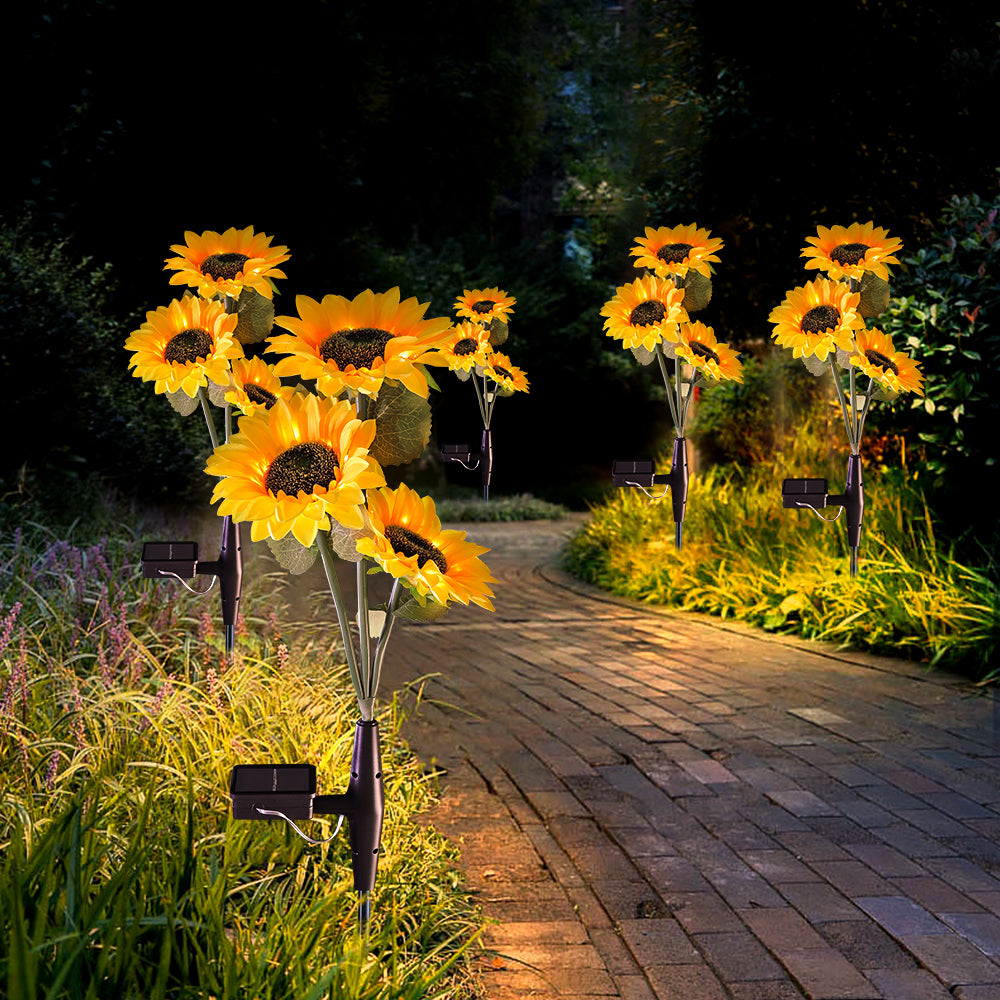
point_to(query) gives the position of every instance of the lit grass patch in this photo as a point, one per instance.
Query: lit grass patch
(121, 871)
(745, 557)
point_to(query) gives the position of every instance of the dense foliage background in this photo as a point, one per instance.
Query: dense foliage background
(517, 142)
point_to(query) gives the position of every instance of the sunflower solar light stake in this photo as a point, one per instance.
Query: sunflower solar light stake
(306, 470)
(192, 350)
(470, 352)
(823, 322)
(651, 316)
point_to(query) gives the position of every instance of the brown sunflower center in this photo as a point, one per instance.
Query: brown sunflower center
(875, 358)
(360, 347)
(302, 467)
(503, 372)
(674, 253)
(849, 253)
(819, 319)
(466, 346)
(484, 306)
(260, 396)
(704, 351)
(647, 313)
(187, 346)
(224, 265)
(409, 543)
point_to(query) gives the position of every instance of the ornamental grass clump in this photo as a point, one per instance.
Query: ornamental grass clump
(748, 561)
(121, 873)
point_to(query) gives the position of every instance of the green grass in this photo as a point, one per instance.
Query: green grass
(745, 557)
(520, 507)
(122, 872)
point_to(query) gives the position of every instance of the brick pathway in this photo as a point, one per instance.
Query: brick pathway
(661, 805)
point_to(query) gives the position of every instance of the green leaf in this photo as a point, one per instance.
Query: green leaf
(814, 366)
(292, 554)
(184, 404)
(463, 376)
(929, 405)
(498, 331)
(402, 424)
(344, 541)
(217, 394)
(431, 381)
(697, 291)
(416, 608)
(643, 356)
(256, 317)
(882, 394)
(874, 295)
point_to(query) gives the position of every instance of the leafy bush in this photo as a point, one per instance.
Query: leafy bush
(80, 412)
(746, 422)
(523, 507)
(122, 872)
(946, 310)
(746, 557)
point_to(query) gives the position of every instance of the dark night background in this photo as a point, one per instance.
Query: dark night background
(517, 143)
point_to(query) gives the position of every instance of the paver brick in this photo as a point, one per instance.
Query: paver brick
(982, 929)
(658, 942)
(779, 866)
(818, 902)
(936, 895)
(853, 878)
(782, 928)
(884, 860)
(909, 984)
(738, 957)
(684, 982)
(703, 911)
(865, 945)
(952, 959)
(825, 974)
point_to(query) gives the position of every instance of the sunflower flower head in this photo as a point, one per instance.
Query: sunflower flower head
(467, 346)
(850, 252)
(875, 356)
(407, 542)
(817, 318)
(357, 343)
(645, 313)
(677, 250)
(294, 466)
(698, 346)
(184, 346)
(503, 371)
(254, 386)
(485, 304)
(226, 264)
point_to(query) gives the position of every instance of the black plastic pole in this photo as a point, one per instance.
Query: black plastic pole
(362, 804)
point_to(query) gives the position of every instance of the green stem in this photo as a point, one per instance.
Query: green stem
(479, 400)
(326, 555)
(840, 396)
(383, 639)
(229, 422)
(364, 639)
(864, 411)
(690, 394)
(203, 396)
(666, 382)
(854, 412)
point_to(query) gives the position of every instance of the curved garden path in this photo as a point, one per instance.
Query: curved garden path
(656, 804)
